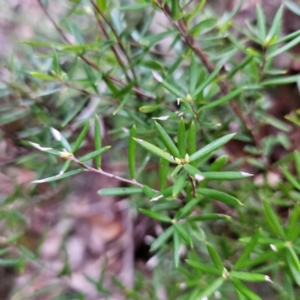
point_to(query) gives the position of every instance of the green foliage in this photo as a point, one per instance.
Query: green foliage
(170, 120)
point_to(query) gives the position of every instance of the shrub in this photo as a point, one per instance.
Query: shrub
(184, 106)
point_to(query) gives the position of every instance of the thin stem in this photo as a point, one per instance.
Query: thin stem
(225, 88)
(115, 34)
(99, 171)
(86, 60)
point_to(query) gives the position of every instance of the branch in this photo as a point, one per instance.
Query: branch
(225, 87)
(86, 60)
(115, 34)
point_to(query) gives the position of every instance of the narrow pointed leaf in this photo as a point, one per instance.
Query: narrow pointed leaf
(181, 138)
(94, 154)
(293, 230)
(155, 150)
(97, 141)
(286, 47)
(175, 9)
(81, 136)
(291, 178)
(293, 268)
(273, 220)
(250, 277)
(212, 147)
(163, 173)
(222, 100)
(176, 248)
(194, 75)
(122, 191)
(204, 268)
(167, 140)
(215, 257)
(179, 184)
(244, 290)
(192, 141)
(132, 152)
(59, 176)
(261, 22)
(187, 209)
(219, 196)
(183, 233)
(59, 137)
(248, 250)
(293, 257)
(208, 217)
(162, 239)
(297, 160)
(210, 289)
(276, 24)
(155, 215)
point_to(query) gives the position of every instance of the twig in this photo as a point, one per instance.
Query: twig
(98, 10)
(225, 88)
(86, 60)
(99, 171)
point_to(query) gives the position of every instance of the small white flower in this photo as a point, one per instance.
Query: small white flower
(156, 198)
(199, 177)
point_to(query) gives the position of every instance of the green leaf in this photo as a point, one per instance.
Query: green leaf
(183, 233)
(293, 257)
(291, 178)
(295, 8)
(211, 147)
(187, 209)
(293, 230)
(244, 290)
(94, 154)
(61, 139)
(97, 141)
(176, 248)
(297, 160)
(214, 175)
(194, 74)
(155, 150)
(261, 23)
(41, 76)
(208, 217)
(204, 268)
(162, 239)
(210, 289)
(175, 9)
(122, 191)
(249, 277)
(286, 47)
(215, 257)
(134, 6)
(219, 196)
(163, 173)
(181, 138)
(192, 140)
(179, 184)
(206, 82)
(293, 268)
(101, 4)
(273, 220)
(276, 25)
(248, 250)
(204, 26)
(148, 191)
(132, 152)
(124, 101)
(151, 40)
(149, 108)
(281, 80)
(222, 100)
(81, 136)
(196, 11)
(59, 176)
(155, 215)
(171, 88)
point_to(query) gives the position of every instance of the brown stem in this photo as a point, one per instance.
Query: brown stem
(86, 60)
(225, 87)
(115, 34)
